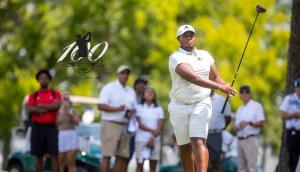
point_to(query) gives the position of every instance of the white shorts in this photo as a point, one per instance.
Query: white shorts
(67, 140)
(190, 120)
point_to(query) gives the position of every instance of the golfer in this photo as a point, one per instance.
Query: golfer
(193, 75)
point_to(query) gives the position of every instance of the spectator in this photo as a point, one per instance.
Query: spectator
(115, 99)
(43, 106)
(67, 138)
(193, 75)
(138, 87)
(290, 113)
(150, 118)
(218, 123)
(26, 119)
(249, 120)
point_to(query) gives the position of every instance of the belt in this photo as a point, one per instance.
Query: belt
(115, 122)
(293, 129)
(213, 131)
(246, 137)
(43, 124)
(182, 103)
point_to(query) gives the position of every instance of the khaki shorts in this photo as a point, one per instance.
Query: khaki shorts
(190, 120)
(155, 154)
(113, 139)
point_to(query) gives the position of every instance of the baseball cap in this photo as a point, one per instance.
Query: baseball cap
(140, 79)
(184, 28)
(245, 88)
(122, 68)
(297, 82)
(45, 71)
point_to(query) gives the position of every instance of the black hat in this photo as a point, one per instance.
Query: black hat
(245, 87)
(140, 79)
(297, 82)
(45, 71)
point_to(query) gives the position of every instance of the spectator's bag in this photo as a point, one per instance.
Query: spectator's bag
(132, 126)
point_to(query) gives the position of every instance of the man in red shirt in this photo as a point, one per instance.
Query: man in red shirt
(43, 106)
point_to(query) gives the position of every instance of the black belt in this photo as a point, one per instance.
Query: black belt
(246, 137)
(213, 131)
(293, 129)
(43, 124)
(115, 122)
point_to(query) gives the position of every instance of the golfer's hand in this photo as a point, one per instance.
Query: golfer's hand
(227, 89)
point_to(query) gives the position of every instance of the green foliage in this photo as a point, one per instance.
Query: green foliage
(141, 34)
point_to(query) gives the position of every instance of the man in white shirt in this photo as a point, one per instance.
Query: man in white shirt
(290, 113)
(249, 120)
(193, 75)
(218, 122)
(116, 100)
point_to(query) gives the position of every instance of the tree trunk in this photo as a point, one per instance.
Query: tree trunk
(6, 150)
(293, 72)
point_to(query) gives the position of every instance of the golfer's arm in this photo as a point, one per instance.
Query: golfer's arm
(186, 72)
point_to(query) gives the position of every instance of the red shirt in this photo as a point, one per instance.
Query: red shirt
(44, 97)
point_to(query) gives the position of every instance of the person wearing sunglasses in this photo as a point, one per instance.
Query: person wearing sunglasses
(117, 102)
(290, 113)
(249, 120)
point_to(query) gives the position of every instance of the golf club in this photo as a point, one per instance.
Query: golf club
(259, 9)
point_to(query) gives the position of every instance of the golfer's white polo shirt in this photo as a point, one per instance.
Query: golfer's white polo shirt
(291, 104)
(115, 95)
(251, 112)
(182, 90)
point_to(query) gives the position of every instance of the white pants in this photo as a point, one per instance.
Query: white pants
(190, 120)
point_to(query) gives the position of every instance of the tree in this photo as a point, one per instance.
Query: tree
(293, 72)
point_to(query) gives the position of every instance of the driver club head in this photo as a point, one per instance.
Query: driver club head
(260, 9)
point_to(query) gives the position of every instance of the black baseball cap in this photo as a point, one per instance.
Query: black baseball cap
(297, 82)
(45, 71)
(140, 79)
(245, 88)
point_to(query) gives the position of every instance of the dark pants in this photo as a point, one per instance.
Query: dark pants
(214, 145)
(44, 139)
(293, 142)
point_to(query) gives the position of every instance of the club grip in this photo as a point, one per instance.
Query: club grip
(223, 109)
